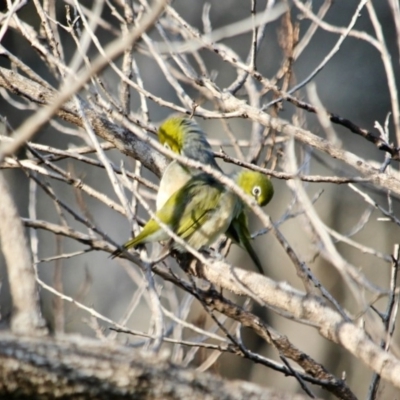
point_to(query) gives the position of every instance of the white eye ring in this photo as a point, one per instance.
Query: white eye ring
(256, 191)
(167, 146)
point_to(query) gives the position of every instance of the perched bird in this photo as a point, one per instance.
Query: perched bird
(261, 188)
(202, 210)
(183, 136)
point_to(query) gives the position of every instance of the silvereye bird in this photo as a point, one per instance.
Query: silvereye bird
(260, 187)
(183, 136)
(202, 210)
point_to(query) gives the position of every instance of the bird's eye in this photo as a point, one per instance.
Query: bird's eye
(167, 146)
(256, 191)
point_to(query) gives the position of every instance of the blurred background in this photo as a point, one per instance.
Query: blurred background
(353, 85)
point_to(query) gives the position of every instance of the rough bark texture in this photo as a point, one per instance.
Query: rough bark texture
(80, 368)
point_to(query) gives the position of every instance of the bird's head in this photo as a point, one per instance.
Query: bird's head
(256, 185)
(184, 136)
(172, 133)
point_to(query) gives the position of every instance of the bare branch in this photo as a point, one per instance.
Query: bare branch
(54, 369)
(26, 318)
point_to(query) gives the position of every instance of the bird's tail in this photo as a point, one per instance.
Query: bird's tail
(130, 243)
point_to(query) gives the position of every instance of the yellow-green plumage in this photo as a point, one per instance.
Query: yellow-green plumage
(183, 136)
(255, 184)
(194, 205)
(260, 187)
(198, 213)
(202, 210)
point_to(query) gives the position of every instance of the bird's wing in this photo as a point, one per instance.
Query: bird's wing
(190, 203)
(203, 202)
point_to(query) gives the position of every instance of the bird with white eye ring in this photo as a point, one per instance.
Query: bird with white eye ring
(201, 210)
(261, 188)
(183, 136)
(256, 192)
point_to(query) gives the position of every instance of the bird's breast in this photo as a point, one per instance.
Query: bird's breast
(174, 177)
